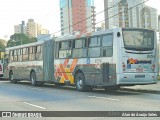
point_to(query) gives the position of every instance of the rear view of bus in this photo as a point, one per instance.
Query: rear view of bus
(139, 55)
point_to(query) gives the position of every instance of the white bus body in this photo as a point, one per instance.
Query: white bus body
(115, 57)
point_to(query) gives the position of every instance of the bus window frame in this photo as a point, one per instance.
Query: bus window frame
(26, 54)
(102, 47)
(84, 46)
(98, 46)
(65, 50)
(38, 53)
(32, 55)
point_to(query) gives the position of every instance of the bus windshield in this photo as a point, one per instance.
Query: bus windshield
(139, 40)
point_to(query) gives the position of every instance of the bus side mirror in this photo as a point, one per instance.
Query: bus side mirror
(118, 34)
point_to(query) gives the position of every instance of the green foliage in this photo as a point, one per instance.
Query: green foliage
(19, 39)
(33, 40)
(2, 46)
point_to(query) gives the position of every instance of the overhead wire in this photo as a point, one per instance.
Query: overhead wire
(117, 14)
(102, 20)
(83, 20)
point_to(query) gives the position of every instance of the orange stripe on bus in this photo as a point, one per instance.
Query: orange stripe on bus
(73, 64)
(63, 72)
(66, 62)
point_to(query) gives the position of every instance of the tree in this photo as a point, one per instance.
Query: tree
(33, 40)
(19, 39)
(2, 45)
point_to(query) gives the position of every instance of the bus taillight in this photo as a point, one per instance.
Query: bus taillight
(123, 66)
(153, 67)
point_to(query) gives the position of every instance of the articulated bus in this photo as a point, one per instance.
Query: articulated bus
(1, 63)
(108, 59)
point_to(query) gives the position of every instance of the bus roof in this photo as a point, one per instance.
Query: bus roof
(87, 34)
(96, 33)
(25, 45)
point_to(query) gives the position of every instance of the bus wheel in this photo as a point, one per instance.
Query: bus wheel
(80, 82)
(11, 78)
(33, 78)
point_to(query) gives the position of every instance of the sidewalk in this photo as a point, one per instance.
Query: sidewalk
(151, 87)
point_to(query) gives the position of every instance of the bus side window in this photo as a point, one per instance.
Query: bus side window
(107, 45)
(15, 56)
(11, 56)
(25, 54)
(38, 52)
(32, 53)
(6, 57)
(57, 50)
(94, 47)
(65, 49)
(79, 48)
(19, 54)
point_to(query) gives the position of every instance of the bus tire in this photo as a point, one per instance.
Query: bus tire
(80, 82)
(11, 77)
(33, 78)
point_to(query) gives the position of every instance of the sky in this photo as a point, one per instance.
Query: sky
(45, 12)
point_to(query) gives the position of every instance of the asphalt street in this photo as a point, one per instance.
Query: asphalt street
(24, 97)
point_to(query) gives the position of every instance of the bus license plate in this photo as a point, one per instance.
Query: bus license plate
(139, 70)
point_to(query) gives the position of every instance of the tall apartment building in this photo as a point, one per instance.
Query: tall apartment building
(77, 16)
(129, 13)
(31, 28)
(21, 28)
(39, 28)
(108, 4)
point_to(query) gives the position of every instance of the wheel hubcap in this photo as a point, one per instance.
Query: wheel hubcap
(12, 77)
(32, 80)
(80, 82)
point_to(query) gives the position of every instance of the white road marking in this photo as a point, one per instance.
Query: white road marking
(34, 105)
(35, 88)
(104, 98)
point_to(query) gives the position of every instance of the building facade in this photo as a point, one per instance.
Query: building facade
(31, 28)
(21, 28)
(77, 16)
(130, 13)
